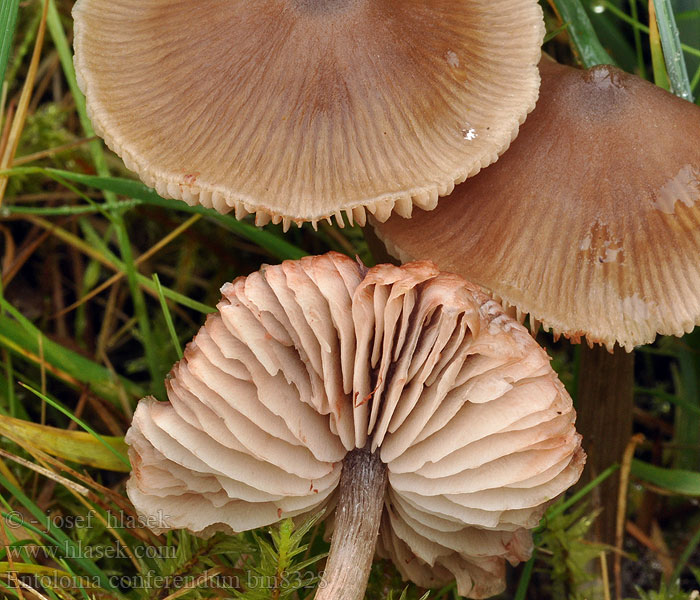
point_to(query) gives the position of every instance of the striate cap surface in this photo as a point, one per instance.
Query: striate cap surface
(300, 110)
(590, 222)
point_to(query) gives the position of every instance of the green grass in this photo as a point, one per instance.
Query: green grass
(8, 22)
(104, 281)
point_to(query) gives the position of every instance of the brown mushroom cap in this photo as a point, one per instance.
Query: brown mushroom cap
(304, 109)
(590, 222)
(311, 359)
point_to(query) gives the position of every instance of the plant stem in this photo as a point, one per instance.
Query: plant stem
(357, 517)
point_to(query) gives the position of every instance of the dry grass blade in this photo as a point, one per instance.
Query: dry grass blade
(30, 589)
(144, 257)
(9, 255)
(6, 119)
(641, 537)
(14, 579)
(625, 467)
(59, 373)
(24, 254)
(664, 554)
(48, 153)
(73, 240)
(4, 470)
(46, 473)
(8, 151)
(114, 497)
(81, 493)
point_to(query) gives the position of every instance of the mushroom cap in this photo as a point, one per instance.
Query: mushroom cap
(310, 359)
(591, 222)
(300, 110)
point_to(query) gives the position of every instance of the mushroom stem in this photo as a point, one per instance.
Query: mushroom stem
(377, 247)
(606, 402)
(358, 514)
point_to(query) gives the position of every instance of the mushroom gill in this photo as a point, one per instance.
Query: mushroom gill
(319, 370)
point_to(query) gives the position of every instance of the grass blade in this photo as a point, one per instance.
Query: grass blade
(673, 54)
(560, 507)
(8, 21)
(274, 245)
(685, 556)
(139, 301)
(95, 239)
(672, 398)
(696, 80)
(82, 424)
(76, 446)
(686, 433)
(133, 189)
(524, 582)
(11, 142)
(657, 55)
(65, 55)
(642, 27)
(641, 63)
(57, 536)
(612, 37)
(9, 382)
(679, 481)
(584, 38)
(96, 150)
(168, 317)
(22, 337)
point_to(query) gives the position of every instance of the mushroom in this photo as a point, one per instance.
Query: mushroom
(402, 396)
(590, 224)
(607, 171)
(300, 110)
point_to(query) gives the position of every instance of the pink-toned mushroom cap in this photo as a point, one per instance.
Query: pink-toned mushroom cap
(300, 110)
(590, 222)
(308, 361)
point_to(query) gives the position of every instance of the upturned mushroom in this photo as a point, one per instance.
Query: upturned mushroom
(590, 224)
(301, 110)
(402, 396)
